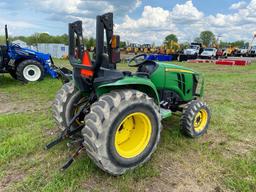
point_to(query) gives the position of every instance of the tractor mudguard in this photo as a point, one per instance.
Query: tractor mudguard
(133, 82)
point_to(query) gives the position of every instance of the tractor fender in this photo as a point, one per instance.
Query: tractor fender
(138, 83)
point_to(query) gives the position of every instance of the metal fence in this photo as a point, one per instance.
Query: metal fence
(55, 50)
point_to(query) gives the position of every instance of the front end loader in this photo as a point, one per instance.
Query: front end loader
(115, 116)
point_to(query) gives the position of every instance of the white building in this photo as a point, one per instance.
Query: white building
(55, 50)
(20, 43)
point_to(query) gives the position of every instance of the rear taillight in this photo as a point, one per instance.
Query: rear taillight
(87, 62)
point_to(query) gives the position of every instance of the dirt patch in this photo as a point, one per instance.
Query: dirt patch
(186, 176)
(213, 140)
(92, 183)
(179, 174)
(240, 148)
(19, 169)
(9, 107)
(12, 177)
(229, 147)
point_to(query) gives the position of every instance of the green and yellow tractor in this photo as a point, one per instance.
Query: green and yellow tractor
(115, 116)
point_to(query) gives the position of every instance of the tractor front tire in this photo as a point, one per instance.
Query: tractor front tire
(195, 119)
(63, 107)
(30, 71)
(122, 130)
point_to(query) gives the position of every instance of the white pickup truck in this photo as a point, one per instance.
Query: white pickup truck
(192, 50)
(209, 53)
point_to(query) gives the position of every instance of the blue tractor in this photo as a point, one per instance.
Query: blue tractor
(24, 64)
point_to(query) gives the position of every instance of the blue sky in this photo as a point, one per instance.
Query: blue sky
(135, 20)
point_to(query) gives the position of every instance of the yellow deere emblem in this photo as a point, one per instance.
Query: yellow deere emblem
(178, 70)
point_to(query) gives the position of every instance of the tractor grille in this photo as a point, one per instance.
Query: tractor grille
(181, 82)
(195, 84)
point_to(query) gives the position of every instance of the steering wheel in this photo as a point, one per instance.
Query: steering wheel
(135, 59)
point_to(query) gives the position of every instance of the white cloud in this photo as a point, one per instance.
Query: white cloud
(64, 9)
(186, 21)
(238, 5)
(186, 13)
(67, 6)
(236, 26)
(154, 23)
(15, 25)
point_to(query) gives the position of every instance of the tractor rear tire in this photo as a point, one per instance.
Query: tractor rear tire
(63, 106)
(122, 130)
(30, 71)
(195, 119)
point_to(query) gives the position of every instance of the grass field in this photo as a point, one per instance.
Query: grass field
(222, 160)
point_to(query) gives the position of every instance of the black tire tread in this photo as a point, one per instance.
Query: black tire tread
(22, 65)
(107, 104)
(58, 106)
(187, 118)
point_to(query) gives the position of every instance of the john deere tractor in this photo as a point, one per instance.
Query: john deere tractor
(116, 115)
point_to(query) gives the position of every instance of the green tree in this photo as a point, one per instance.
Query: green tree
(91, 42)
(2, 40)
(64, 39)
(169, 38)
(208, 38)
(184, 45)
(239, 44)
(198, 40)
(33, 39)
(122, 44)
(247, 44)
(44, 38)
(224, 44)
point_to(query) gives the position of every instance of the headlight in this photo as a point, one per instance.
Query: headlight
(197, 77)
(49, 62)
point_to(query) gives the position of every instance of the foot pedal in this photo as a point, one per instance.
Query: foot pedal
(165, 113)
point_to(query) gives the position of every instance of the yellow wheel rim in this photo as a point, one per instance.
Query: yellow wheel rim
(200, 120)
(133, 135)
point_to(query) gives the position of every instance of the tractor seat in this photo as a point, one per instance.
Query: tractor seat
(108, 75)
(145, 70)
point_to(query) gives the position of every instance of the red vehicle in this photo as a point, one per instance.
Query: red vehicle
(220, 53)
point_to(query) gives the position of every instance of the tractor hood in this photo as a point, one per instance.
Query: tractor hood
(29, 52)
